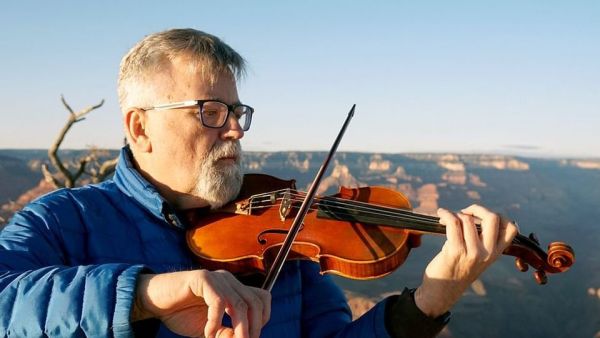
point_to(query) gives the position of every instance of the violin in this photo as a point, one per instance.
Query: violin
(360, 233)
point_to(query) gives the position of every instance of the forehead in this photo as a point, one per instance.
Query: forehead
(188, 78)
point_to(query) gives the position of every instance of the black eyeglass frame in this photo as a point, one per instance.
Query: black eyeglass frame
(200, 103)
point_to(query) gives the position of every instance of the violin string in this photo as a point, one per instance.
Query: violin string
(374, 209)
(426, 228)
(332, 201)
(368, 209)
(371, 210)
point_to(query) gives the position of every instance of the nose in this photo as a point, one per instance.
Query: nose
(232, 130)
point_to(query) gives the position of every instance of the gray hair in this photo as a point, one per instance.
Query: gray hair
(154, 53)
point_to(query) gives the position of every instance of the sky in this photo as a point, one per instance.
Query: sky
(511, 77)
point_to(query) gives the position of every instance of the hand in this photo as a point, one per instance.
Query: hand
(192, 303)
(464, 256)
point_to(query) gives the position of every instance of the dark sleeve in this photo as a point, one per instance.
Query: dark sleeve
(146, 328)
(403, 319)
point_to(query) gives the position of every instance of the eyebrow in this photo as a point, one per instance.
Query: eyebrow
(216, 98)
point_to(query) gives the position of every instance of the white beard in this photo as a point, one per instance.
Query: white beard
(218, 183)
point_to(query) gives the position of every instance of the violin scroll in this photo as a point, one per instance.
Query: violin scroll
(527, 251)
(560, 255)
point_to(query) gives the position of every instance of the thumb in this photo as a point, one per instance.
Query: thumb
(225, 332)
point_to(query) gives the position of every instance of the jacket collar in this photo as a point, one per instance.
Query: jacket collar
(134, 185)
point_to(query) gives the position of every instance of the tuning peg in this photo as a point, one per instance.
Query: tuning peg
(521, 265)
(540, 277)
(534, 238)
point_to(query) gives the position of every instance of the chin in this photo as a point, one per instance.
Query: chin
(220, 185)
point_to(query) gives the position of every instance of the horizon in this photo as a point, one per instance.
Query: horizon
(463, 77)
(524, 156)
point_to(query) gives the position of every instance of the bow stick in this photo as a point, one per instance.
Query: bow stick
(297, 225)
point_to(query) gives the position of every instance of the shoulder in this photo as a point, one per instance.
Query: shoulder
(73, 198)
(64, 206)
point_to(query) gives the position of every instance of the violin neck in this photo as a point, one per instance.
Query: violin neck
(380, 215)
(397, 218)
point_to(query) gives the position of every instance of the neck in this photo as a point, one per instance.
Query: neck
(177, 199)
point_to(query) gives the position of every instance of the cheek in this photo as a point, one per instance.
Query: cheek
(183, 142)
(188, 146)
(169, 143)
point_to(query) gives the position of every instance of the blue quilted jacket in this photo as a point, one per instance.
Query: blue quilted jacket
(69, 263)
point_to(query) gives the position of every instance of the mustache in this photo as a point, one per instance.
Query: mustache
(225, 149)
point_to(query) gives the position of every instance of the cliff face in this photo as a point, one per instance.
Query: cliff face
(8, 209)
(16, 176)
(557, 199)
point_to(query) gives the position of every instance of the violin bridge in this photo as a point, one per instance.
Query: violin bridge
(285, 207)
(243, 207)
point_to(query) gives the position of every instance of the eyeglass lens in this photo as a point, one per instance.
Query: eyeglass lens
(214, 115)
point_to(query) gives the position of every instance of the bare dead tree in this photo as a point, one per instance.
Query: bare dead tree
(63, 176)
(98, 170)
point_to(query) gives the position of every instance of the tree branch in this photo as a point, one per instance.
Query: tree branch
(50, 178)
(82, 163)
(106, 169)
(58, 164)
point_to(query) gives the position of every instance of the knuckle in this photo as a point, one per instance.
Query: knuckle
(450, 220)
(512, 228)
(494, 218)
(256, 298)
(266, 295)
(205, 276)
(218, 303)
(197, 281)
(466, 218)
(201, 274)
(444, 213)
(254, 303)
(240, 305)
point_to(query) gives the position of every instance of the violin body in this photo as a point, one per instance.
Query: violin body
(351, 249)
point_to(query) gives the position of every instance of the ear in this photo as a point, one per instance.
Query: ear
(135, 123)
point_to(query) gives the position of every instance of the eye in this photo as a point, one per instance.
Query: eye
(211, 113)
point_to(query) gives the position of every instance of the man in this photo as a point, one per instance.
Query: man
(111, 259)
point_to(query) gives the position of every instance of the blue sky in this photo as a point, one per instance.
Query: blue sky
(515, 77)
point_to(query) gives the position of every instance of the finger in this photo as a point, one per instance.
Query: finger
(508, 230)
(265, 297)
(472, 241)
(225, 332)
(253, 302)
(214, 297)
(216, 310)
(453, 228)
(490, 223)
(235, 307)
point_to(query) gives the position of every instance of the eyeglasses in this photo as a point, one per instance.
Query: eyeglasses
(214, 113)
